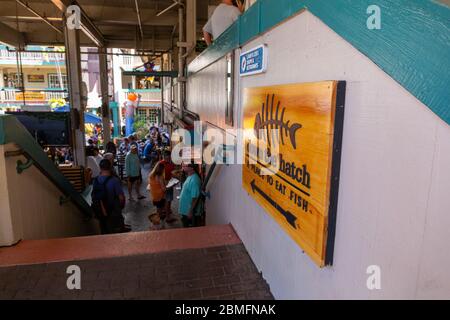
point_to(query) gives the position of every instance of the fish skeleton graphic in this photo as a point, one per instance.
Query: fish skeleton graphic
(266, 121)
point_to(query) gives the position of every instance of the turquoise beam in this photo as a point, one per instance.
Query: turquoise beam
(171, 74)
(412, 46)
(114, 106)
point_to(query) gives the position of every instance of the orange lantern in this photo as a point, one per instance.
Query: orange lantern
(132, 96)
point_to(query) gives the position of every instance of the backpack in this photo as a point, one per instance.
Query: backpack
(100, 204)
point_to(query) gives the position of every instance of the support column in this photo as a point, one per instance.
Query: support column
(103, 64)
(162, 101)
(77, 103)
(191, 28)
(114, 106)
(180, 82)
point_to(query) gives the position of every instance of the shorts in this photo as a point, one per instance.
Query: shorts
(134, 179)
(137, 178)
(159, 204)
(169, 194)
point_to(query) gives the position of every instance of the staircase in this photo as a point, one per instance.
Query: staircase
(197, 263)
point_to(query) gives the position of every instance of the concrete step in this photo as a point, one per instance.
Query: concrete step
(116, 245)
(196, 263)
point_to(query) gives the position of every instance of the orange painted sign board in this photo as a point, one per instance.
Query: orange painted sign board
(292, 159)
(30, 96)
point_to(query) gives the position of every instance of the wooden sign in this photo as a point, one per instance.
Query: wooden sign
(36, 78)
(30, 96)
(299, 188)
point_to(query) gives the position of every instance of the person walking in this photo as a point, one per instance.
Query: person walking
(108, 200)
(157, 187)
(169, 168)
(133, 170)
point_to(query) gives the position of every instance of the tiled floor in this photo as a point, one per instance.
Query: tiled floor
(136, 212)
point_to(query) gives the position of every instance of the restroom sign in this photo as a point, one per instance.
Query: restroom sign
(253, 61)
(292, 148)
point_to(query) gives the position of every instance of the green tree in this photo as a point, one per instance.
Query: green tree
(141, 126)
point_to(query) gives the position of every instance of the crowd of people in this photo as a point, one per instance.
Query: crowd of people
(108, 196)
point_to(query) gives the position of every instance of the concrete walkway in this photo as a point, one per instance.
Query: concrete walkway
(136, 212)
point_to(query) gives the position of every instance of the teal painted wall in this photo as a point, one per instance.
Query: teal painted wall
(412, 46)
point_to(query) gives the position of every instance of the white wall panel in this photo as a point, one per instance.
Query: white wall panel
(394, 203)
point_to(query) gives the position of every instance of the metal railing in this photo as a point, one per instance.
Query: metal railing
(35, 56)
(11, 95)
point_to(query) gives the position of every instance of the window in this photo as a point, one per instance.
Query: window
(142, 113)
(14, 80)
(151, 116)
(54, 82)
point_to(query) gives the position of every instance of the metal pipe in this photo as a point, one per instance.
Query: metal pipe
(139, 21)
(38, 15)
(162, 99)
(158, 53)
(180, 60)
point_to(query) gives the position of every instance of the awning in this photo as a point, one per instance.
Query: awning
(89, 118)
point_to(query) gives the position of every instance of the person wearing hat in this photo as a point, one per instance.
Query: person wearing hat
(133, 170)
(189, 206)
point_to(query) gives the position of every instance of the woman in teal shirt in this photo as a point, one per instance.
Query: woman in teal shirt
(133, 170)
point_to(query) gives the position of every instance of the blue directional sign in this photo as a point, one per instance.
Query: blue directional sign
(253, 61)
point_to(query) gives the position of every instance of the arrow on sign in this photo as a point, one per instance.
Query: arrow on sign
(290, 218)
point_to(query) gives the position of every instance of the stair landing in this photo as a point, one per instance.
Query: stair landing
(197, 263)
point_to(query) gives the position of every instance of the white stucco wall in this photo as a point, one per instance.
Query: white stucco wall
(394, 201)
(30, 208)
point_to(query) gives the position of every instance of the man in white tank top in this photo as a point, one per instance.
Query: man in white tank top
(223, 17)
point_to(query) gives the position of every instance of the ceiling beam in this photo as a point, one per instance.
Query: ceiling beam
(11, 37)
(26, 6)
(160, 21)
(87, 26)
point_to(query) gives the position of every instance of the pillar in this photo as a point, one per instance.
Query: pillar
(77, 102)
(114, 106)
(103, 65)
(191, 28)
